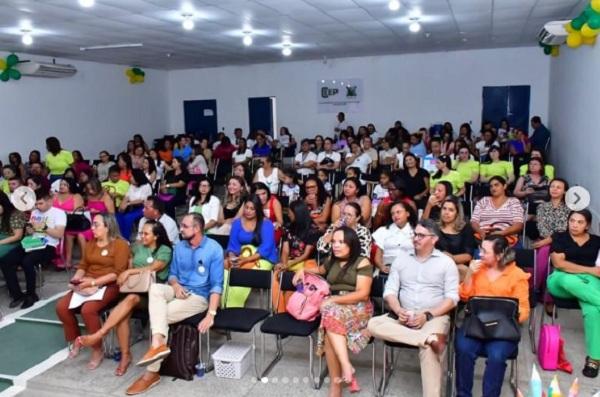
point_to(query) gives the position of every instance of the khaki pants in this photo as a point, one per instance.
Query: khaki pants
(165, 309)
(388, 329)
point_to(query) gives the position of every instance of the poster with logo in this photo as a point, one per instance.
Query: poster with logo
(340, 95)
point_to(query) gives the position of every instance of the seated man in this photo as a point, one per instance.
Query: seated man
(115, 186)
(195, 285)
(421, 289)
(154, 210)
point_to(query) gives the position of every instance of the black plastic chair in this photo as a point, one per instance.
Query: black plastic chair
(283, 324)
(222, 240)
(526, 259)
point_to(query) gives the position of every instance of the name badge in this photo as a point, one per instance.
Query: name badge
(201, 269)
(104, 252)
(149, 260)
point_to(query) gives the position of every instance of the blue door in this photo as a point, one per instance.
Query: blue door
(201, 118)
(510, 102)
(260, 112)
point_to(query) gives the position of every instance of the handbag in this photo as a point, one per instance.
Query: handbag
(78, 221)
(549, 346)
(492, 318)
(305, 303)
(138, 283)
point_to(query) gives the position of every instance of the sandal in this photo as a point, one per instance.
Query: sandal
(95, 362)
(123, 364)
(591, 367)
(75, 348)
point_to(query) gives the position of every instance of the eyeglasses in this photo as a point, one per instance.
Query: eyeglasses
(420, 236)
(311, 186)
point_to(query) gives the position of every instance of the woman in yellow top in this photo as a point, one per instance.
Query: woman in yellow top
(497, 167)
(548, 169)
(445, 173)
(466, 167)
(496, 275)
(57, 159)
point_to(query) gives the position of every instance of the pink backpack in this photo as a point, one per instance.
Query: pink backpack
(304, 304)
(549, 346)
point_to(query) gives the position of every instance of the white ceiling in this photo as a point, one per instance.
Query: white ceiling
(318, 28)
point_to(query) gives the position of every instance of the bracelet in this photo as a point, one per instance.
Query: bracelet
(93, 283)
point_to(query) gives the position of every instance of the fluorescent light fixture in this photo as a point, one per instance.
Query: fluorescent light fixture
(394, 5)
(86, 3)
(188, 23)
(27, 39)
(415, 27)
(247, 40)
(111, 46)
(286, 51)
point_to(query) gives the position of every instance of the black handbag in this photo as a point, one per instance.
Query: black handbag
(77, 221)
(489, 317)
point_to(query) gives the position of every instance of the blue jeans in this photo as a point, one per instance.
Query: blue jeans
(467, 352)
(127, 219)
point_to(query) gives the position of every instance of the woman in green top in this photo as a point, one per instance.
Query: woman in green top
(445, 173)
(12, 224)
(497, 167)
(466, 167)
(345, 314)
(57, 159)
(152, 255)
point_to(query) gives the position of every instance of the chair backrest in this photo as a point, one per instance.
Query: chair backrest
(285, 281)
(525, 258)
(222, 240)
(251, 278)
(377, 288)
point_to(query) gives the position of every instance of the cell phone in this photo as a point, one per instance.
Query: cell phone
(393, 316)
(76, 281)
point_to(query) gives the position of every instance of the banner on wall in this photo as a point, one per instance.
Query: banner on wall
(340, 95)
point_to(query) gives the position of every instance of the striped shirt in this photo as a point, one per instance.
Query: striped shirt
(490, 217)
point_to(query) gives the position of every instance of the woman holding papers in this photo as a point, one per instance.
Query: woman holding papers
(93, 287)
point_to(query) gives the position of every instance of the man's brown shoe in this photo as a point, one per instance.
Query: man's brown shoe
(154, 354)
(439, 345)
(143, 383)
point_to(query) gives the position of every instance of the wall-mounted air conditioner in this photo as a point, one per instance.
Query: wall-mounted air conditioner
(43, 69)
(553, 33)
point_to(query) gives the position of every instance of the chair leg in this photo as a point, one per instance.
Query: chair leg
(373, 372)
(388, 369)
(278, 356)
(514, 373)
(317, 382)
(532, 331)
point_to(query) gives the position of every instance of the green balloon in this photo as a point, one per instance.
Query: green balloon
(142, 73)
(4, 76)
(12, 60)
(136, 71)
(594, 21)
(547, 50)
(14, 74)
(578, 22)
(588, 11)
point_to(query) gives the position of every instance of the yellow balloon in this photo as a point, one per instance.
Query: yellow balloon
(595, 5)
(555, 51)
(129, 72)
(574, 40)
(589, 40)
(569, 28)
(586, 31)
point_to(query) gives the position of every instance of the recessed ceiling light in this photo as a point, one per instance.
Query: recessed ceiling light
(27, 39)
(188, 22)
(394, 5)
(286, 51)
(247, 40)
(464, 39)
(415, 27)
(86, 3)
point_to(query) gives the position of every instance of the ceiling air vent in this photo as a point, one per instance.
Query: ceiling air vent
(553, 33)
(42, 69)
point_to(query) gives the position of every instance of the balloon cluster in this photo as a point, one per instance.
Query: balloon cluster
(135, 75)
(7, 68)
(553, 50)
(584, 28)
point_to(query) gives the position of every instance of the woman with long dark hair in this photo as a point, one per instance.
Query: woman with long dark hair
(416, 180)
(69, 200)
(131, 208)
(272, 208)
(57, 159)
(396, 235)
(456, 236)
(351, 194)
(205, 202)
(318, 201)
(445, 173)
(16, 161)
(125, 166)
(173, 188)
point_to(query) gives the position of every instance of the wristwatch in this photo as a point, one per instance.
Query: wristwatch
(428, 316)
(212, 312)
(93, 283)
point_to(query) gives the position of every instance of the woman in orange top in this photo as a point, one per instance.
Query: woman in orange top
(166, 153)
(104, 258)
(495, 275)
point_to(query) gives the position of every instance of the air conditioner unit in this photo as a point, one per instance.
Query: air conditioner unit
(43, 69)
(553, 33)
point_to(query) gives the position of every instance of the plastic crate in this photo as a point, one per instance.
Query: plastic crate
(232, 360)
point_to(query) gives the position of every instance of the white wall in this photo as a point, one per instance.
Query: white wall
(95, 109)
(418, 89)
(575, 120)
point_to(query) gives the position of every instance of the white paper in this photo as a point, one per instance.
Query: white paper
(208, 113)
(78, 299)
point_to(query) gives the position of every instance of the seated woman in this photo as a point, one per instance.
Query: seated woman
(103, 166)
(269, 175)
(496, 167)
(173, 187)
(198, 164)
(345, 314)
(272, 209)
(232, 207)
(131, 208)
(80, 164)
(456, 236)
(97, 201)
(466, 166)
(445, 173)
(206, 203)
(104, 259)
(298, 248)
(152, 254)
(165, 153)
(68, 200)
(551, 217)
(251, 245)
(351, 194)
(261, 148)
(498, 214)
(125, 166)
(12, 226)
(397, 235)
(577, 276)
(548, 169)
(150, 170)
(416, 180)
(357, 158)
(351, 217)
(242, 155)
(137, 157)
(532, 187)
(318, 201)
(495, 275)
(433, 209)
(396, 190)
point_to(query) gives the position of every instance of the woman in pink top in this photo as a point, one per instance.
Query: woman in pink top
(68, 200)
(97, 202)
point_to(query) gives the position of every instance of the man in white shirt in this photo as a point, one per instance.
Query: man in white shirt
(46, 223)
(368, 149)
(154, 209)
(305, 161)
(422, 288)
(328, 153)
(340, 124)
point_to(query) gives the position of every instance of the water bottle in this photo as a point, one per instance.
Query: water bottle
(200, 369)
(117, 355)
